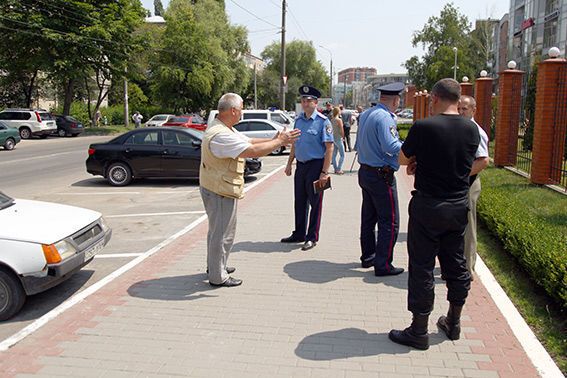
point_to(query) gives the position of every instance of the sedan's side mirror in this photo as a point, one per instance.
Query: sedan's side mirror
(196, 143)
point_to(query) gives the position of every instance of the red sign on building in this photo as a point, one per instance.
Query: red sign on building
(528, 23)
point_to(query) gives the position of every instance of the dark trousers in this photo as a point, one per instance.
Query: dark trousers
(305, 197)
(347, 139)
(436, 228)
(379, 207)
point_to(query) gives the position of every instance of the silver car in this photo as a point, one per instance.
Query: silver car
(261, 128)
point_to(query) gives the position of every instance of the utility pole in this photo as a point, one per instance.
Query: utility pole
(255, 88)
(126, 112)
(283, 81)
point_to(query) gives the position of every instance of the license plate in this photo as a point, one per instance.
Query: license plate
(94, 250)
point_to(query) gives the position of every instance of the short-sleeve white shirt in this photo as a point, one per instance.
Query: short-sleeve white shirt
(229, 145)
(482, 150)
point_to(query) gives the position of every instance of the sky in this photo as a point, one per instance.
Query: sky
(357, 33)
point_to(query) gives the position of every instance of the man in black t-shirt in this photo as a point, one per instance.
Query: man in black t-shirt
(441, 150)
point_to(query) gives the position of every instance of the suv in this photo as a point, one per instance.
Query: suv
(275, 116)
(29, 122)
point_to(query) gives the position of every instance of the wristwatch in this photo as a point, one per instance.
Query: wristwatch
(326, 173)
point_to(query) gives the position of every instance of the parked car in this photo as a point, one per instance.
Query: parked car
(275, 116)
(261, 128)
(41, 245)
(152, 153)
(191, 121)
(68, 126)
(29, 122)
(8, 137)
(158, 120)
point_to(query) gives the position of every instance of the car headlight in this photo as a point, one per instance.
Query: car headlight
(65, 249)
(104, 225)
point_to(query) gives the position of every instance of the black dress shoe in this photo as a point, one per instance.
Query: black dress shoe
(292, 239)
(392, 272)
(308, 245)
(367, 264)
(230, 282)
(229, 270)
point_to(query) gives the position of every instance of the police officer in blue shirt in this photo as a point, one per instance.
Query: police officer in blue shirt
(378, 147)
(313, 151)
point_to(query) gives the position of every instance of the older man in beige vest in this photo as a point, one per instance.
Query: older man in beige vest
(221, 179)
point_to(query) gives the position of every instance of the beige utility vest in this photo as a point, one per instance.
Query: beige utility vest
(224, 177)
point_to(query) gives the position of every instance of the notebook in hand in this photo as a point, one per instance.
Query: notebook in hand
(319, 189)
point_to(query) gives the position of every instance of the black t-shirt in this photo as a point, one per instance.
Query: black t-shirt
(445, 147)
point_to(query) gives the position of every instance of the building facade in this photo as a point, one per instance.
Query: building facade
(350, 75)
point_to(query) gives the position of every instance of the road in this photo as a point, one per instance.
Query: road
(141, 215)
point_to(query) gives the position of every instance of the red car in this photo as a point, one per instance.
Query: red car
(191, 121)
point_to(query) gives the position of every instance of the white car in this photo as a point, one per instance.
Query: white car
(275, 116)
(30, 122)
(158, 120)
(261, 128)
(41, 245)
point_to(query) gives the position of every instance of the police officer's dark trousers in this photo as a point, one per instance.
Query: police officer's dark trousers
(305, 197)
(436, 228)
(379, 207)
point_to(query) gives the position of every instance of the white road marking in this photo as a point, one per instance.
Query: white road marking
(78, 298)
(179, 192)
(40, 157)
(154, 214)
(117, 255)
(542, 361)
(96, 193)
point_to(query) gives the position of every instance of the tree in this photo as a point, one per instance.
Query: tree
(438, 37)
(158, 8)
(302, 67)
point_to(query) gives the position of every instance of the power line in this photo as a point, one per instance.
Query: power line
(252, 14)
(297, 23)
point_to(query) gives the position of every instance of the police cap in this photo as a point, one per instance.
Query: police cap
(392, 89)
(306, 91)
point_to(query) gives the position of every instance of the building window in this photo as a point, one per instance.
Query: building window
(550, 34)
(551, 6)
(518, 3)
(518, 19)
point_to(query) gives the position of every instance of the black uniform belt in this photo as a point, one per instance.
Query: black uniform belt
(453, 198)
(384, 169)
(309, 161)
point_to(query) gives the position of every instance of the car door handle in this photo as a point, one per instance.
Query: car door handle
(127, 150)
(165, 152)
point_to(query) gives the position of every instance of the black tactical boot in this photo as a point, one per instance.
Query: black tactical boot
(451, 324)
(415, 335)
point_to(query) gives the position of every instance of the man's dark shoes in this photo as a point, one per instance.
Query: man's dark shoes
(451, 324)
(367, 264)
(415, 335)
(392, 272)
(229, 270)
(308, 245)
(292, 239)
(230, 282)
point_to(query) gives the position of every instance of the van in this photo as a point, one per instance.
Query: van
(274, 116)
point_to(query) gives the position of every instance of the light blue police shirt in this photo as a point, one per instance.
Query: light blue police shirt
(377, 138)
(315, 132)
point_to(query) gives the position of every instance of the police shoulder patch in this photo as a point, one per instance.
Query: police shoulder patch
(393, 131)
(329, 129)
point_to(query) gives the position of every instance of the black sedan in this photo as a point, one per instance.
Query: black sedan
(152, 152)
(68, 126)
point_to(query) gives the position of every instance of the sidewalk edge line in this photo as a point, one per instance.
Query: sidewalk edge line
(78, 298)
(537, 354)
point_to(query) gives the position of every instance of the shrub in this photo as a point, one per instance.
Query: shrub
(531, 223)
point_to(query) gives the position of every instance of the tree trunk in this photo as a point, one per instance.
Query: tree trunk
(69, 86)
(88, 90)
(28, 90)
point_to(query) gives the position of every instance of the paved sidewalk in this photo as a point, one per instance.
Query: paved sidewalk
(304, 314)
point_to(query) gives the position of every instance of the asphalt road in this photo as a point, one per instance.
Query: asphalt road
(141, 215)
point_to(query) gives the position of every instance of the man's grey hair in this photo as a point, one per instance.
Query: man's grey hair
(229, 101)
(470, 99)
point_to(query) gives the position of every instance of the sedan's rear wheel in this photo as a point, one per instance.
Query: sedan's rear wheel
(12, 295)
(278, 151)
(25, 133)
(9, 144)
(119, 174)
(61, 132)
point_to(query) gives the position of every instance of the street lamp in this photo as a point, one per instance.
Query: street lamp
(331, 73)
(455, 66)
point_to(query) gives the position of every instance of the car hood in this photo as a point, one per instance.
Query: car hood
(43, 222)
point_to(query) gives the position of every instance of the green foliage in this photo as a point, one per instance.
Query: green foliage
(302, 67)
(158, 8)
(530, 107)
(438, 37)
(531, 222)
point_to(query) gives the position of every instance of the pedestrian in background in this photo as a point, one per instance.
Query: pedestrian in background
(443, 147)
(313, 150)
(467, 108)
(338, 136)
(347, 118)
(328, 111)
(378, 146)
(137, 118)
(221, 179)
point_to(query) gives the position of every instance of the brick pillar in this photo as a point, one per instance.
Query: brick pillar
(424, 104)
(467, 89)
(508, 117)
(483, 97)
(409, 96)
(550, 121)
(414, 107)
(418, 106)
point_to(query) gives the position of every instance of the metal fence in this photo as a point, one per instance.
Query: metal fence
(523, 133)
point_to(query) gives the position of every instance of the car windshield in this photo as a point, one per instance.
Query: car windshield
(71, 119)
(196, 133)
(5, 201)
(159, 118)
(179, 119)
(45, 115)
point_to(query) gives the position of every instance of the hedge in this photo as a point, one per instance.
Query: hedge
(531, 223)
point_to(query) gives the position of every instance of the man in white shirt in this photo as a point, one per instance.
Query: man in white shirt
(137, 118)
(221, 178)
(467, 108)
